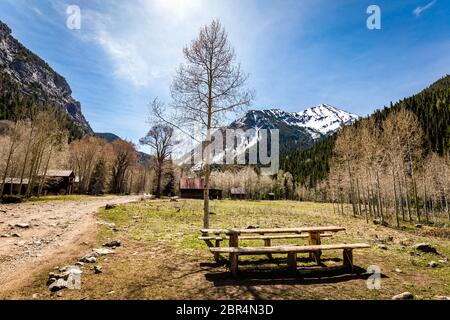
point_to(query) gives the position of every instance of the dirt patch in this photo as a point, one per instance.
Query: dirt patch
(42, 234)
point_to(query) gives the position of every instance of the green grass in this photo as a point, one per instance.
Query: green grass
(161, 257)
(73, 197)
(175, 226)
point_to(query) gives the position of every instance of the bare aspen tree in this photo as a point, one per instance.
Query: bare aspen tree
(14, 137)
(161, 139)
(84, 155)
(124, 158)
(207, 86)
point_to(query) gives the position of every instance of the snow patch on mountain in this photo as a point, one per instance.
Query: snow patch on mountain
(318, 121)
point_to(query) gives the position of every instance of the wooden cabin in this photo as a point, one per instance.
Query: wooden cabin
(58, 182)
(12, 186)
(238, 193)
(193, 188)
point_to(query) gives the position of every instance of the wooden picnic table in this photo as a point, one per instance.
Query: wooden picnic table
(314, 234)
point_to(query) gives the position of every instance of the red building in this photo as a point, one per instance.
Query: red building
(193, 188)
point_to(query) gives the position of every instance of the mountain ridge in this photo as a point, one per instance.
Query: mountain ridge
(432, 108)
(297, 130)
(32, 77)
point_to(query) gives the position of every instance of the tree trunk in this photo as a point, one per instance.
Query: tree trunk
(395, 197)
(208, 153)
(358, 194)
(425, 200)
(352, 192)
(158, 182)
(380, 201)
(447, 207)
(44, 175)
(14, 138)
(408, 200)
(416, 198)
(402, 207)
(366, 199)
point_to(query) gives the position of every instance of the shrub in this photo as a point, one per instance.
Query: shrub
(10, 199)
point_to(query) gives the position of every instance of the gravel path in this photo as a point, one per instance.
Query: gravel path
(35, 235)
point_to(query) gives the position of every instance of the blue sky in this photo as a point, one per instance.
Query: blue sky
(298, 53)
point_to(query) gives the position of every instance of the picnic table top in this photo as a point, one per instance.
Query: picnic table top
(273, 230)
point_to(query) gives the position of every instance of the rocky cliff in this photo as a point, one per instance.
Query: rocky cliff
(33, 77)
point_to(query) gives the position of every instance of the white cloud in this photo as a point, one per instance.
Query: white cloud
(418, 11)
(144, 38)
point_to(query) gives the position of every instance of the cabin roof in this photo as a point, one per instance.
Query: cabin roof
(60, 173)
(16, 181)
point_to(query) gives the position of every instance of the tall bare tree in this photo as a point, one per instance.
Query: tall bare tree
(124, 157)
(161, 139)
(207, 86)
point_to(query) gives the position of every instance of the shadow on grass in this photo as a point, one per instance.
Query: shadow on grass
(269, 275)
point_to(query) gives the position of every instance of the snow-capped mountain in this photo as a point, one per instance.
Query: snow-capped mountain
(318, 121)
(297, 130)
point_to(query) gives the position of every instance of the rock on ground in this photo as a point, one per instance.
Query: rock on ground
(103, 252)
(403, 296)
(425, 247)
(114, 243)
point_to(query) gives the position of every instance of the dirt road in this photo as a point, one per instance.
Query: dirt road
(35, 236)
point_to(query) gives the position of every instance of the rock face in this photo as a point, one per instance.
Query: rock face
(33, 77)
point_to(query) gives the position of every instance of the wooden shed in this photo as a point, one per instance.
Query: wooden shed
(12, 186)
(59, 182)
(193, 188)
(238, 193)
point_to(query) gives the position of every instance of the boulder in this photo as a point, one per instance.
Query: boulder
(114, 243)
(432, 264)
(22, 225)
(89, 259)
(58, 285)
(425, 247)
(51, 280)
(97, 269)
(403, 296)
(103, 252)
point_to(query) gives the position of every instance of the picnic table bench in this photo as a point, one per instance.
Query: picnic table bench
(292, 252)
(313, 234)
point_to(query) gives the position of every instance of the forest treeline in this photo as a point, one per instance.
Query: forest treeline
(31, 146)
(432, 109)
(14, 104)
